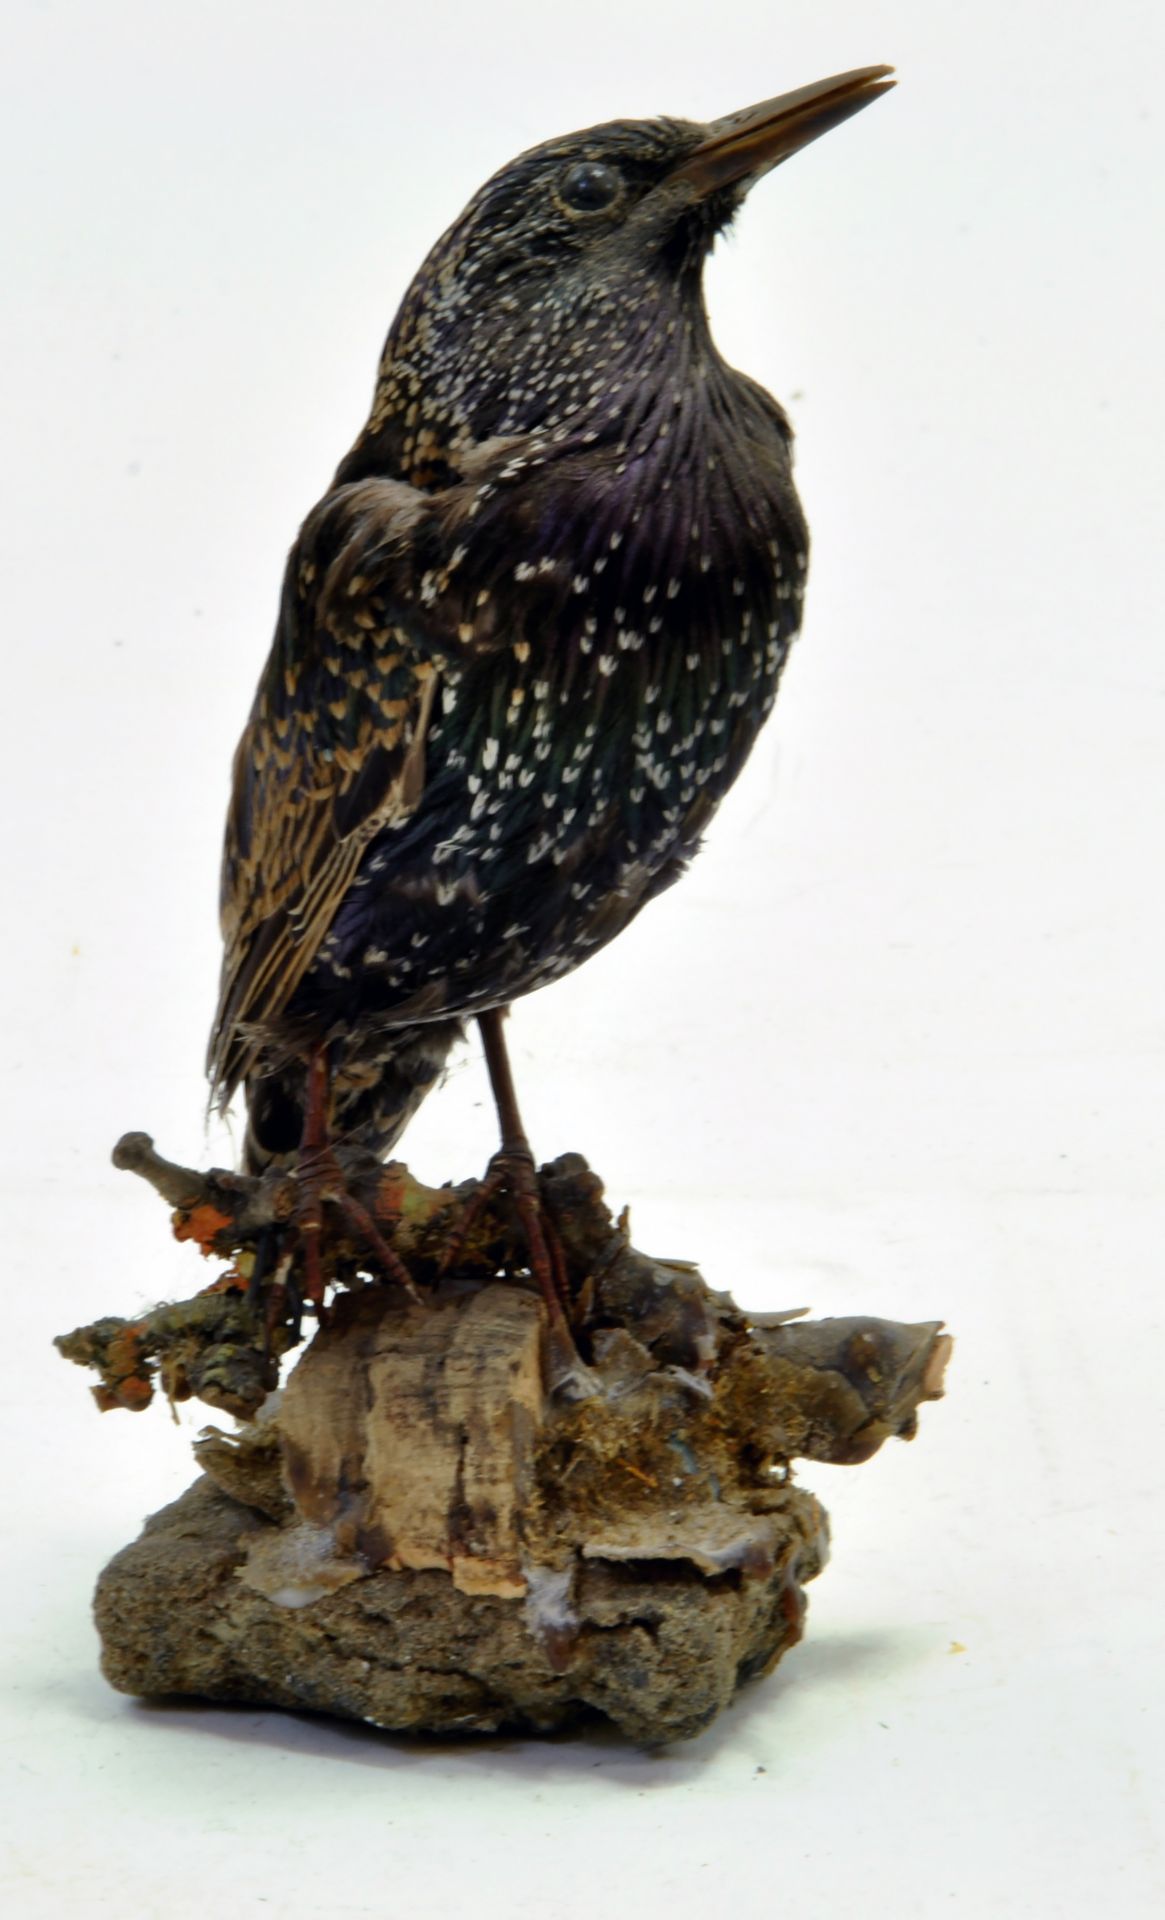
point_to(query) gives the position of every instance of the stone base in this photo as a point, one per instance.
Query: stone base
(658, 1647)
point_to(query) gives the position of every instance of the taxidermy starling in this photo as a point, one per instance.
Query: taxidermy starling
(526, 640)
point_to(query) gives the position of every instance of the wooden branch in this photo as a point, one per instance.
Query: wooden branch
(841, 1386)
(225, 1213)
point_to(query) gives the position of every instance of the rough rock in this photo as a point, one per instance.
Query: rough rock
(658, 1647)
(417, 1534)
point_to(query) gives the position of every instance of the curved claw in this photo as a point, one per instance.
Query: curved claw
(458, 1238)
(365, 1226)
(567, 1375)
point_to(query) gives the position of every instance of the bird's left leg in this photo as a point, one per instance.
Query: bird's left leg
(512, 1172)
(321, 1178)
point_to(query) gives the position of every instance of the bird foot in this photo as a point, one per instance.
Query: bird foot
(321, 1182)
(512, 1177)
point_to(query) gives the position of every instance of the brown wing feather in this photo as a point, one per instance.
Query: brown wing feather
(334, 750)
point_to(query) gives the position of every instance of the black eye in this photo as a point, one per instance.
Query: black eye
(589, 186)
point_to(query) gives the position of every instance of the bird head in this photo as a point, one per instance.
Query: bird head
(573, 272)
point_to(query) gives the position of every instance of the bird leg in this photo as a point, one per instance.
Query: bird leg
(320, 1178)
(311, 1172)
(512, 1173)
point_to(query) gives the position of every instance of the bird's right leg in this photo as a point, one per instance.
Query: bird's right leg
(312, 1172)
(512, 1173)
(321, 1178)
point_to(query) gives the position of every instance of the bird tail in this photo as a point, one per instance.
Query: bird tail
(373, 1100)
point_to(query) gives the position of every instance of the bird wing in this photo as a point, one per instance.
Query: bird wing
(334, 751)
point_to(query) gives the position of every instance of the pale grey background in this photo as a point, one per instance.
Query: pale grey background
(895, 1045)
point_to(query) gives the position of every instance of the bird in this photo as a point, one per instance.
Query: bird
(525, 643)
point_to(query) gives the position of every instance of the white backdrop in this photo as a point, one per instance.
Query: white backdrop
(895, 1045)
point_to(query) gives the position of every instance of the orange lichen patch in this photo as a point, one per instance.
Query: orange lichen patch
(125, 1349)
(202, 1224)
(126, 1383)
(415, 1214)
(133, 1394)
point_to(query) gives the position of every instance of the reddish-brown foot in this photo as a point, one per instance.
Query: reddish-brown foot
(511, 1177)
(320, 1182)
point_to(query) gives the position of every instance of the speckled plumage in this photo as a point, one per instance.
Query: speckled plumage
(526, 640)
